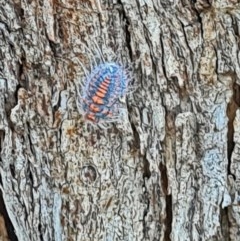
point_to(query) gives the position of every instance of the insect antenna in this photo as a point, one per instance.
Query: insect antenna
(103, 126)
(92, 56)
(118, 60)
(99, 51)
(84, 69)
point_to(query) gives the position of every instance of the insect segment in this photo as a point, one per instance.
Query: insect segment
(100, 96)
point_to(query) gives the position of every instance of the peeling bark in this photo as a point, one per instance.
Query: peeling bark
(169, 170)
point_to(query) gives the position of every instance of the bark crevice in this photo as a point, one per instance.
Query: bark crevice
(9, 227)
(232, 107)
(168, 219)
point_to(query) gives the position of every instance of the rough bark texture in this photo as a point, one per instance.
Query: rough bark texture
(170, 170)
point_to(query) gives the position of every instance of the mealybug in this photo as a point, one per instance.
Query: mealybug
(99, 98)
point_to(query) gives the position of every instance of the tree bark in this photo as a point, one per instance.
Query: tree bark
(169, 170)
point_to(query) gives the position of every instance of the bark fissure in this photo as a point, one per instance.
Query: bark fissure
(2, 136)
(127, 32)
(232, 107)
(168, 221)
(168, 218)
(9, 226)
(146, 171)
(162, 57)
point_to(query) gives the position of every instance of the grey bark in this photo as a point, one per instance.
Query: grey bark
(169, 170)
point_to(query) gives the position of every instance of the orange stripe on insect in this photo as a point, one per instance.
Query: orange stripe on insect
(97, 100)
(107, 80)
(102, 90)
(99, 94)
(106, 85)
(91, 117)
(102, 86)
(94, 108)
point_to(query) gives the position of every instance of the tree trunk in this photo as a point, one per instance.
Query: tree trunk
(169, 170)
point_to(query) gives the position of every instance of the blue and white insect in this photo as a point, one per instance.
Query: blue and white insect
(104, 86)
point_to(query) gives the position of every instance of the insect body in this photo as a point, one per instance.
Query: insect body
(100, 95)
